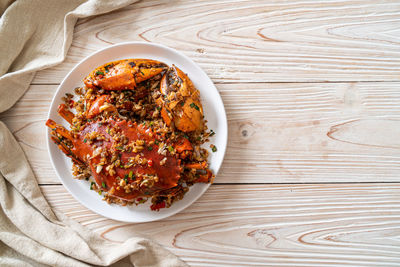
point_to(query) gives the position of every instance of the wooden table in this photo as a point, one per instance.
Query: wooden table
(312, 93)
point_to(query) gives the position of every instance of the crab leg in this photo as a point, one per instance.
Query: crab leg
(64, 148)
(205, 178)
(201, 167)
(171, 192)
(198, 166)
(59, 129)
(65, 113)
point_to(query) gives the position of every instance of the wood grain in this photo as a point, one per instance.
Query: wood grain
(270, 225)
(278, 133)
(256, 41)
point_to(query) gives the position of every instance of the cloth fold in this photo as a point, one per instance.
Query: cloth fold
(36, 34)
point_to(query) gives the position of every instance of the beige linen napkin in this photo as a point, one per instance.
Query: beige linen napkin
(35, 35)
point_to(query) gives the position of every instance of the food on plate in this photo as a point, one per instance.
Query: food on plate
(136, 129)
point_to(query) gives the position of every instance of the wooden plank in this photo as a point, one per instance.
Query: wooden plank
(269, 225)
(256, 41)
(278, 133)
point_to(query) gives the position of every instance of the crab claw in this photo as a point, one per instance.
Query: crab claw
(123, 74)
(180, 101)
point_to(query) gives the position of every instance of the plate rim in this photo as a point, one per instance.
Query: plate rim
(221, 150)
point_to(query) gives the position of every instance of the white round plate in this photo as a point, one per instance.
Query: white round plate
(213, 110)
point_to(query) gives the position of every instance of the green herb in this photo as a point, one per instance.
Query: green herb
(106, 68)
(183, 103)
(156, 142)
(131, 174)
(185, 135)
(151, 123)
(91, 185)
(85, 140)
(142, 72)
(198, 138)
(212, 132)
(214, 148)
(193, 105)
(150, 148)
(89, 120)
(170, 148)
(126, 180)
(126, 176)
(120, 147)
(142, 201)
(103, 185)
(99, 72)
(158, 108)
(100, 192)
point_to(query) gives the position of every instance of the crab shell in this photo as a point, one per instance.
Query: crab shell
(168, 174)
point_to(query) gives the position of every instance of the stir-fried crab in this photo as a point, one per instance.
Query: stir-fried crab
(137, 156)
